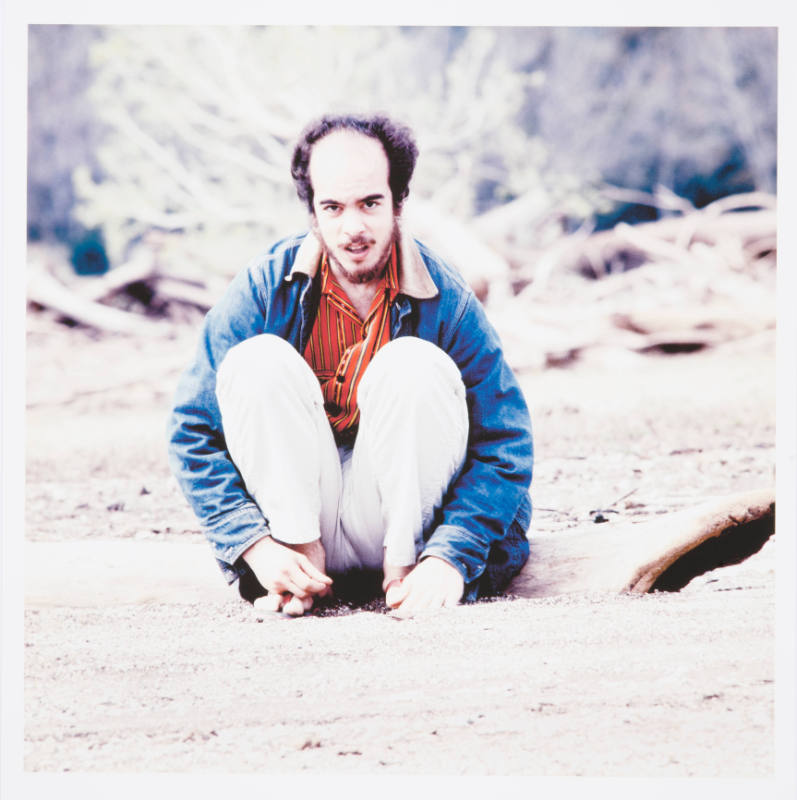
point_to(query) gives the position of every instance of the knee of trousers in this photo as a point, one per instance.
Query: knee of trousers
(262, 363)
(409, 367)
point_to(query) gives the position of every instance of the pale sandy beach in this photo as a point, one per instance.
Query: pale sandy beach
(126, 671)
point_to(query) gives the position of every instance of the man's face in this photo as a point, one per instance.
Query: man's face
(353, 204)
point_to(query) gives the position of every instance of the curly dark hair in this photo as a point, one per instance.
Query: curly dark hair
(397, 140)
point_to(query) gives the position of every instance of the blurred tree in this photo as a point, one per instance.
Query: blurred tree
(202, 120)
(189, 129)
(690, 109)
(63, 133)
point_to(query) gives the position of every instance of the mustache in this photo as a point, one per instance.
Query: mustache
(361, 239)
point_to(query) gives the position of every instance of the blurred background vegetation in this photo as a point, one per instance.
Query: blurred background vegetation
(176, 140)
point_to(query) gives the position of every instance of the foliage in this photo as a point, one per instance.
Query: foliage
(63, 130)
(690, 109)
(203, 120)
(189, 129)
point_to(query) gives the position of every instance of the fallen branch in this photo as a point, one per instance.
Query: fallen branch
(714, 323)
(46, 291)
(734, 202)
(663, 554)
(662, 198)
(192, 294)
(140, 268)
(668, 238)
(537, 335)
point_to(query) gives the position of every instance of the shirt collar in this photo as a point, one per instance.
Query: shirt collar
(414, 278)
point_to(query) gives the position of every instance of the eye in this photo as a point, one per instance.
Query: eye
(371, 203)
(330, 208)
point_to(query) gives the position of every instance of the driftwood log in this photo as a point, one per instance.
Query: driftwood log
(736, 235)
(661, 554)
(711, 250)
(84, 300)
(46, 291)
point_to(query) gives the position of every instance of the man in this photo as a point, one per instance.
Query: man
(349, 407)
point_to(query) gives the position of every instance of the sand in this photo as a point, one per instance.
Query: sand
(126, 671)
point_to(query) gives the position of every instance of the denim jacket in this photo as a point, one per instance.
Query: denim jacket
(487, 508)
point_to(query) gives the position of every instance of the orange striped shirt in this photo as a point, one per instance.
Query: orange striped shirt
(341, 345)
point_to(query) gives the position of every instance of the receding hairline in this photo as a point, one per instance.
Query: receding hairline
(397, 141)
(348, 133)
(370, 195)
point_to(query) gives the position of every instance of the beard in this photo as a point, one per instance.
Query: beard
(372, 273)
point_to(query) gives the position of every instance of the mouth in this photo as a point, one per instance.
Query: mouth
(357, 249)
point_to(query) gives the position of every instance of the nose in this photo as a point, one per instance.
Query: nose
(352, 222)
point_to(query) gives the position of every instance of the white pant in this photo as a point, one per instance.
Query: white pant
(370, 503)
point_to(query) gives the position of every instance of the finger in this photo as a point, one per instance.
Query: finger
(410, 604)
(395, 594)
(299, 582)
(301, 588)
(408, 610)
(312, 571)
(420, 602)
(296, 581)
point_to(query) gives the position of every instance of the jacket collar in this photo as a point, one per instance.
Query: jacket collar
(414, 278)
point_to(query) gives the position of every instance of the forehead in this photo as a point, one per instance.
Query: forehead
(348, 165)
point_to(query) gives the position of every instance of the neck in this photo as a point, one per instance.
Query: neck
(361, 295)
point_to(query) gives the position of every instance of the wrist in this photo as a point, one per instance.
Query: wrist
(261, 545)
(442, 560)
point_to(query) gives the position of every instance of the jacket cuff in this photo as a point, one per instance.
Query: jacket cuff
(235, 532)
(456, 546)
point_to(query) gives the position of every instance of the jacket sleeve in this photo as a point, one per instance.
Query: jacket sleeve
(491, 491)
(198, 456)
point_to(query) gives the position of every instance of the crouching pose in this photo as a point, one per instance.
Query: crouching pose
(349, 407)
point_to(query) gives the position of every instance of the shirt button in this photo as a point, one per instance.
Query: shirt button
(332, 408)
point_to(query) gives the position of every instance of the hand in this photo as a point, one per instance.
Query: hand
(432, 584)
(296, 570)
